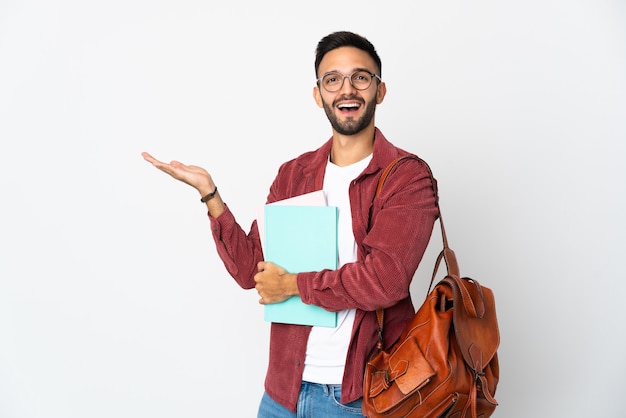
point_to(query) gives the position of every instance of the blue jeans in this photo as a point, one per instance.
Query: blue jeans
(315, 401)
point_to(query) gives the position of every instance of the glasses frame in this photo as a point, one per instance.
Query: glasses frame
(349, 77)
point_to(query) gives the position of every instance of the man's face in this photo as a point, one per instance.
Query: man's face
(349, 110)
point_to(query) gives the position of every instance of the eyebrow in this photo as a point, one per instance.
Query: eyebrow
(353, 71)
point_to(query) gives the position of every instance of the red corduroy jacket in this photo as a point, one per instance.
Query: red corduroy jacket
(391, 232)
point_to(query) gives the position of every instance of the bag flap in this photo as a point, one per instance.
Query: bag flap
(394, 377)
(409, 368)
(475, 321)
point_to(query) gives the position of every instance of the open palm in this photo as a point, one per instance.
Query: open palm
(196, 177)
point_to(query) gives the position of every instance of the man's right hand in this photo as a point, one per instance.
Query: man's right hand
(196, 177)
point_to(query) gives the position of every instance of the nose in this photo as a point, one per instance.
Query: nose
(349, 85)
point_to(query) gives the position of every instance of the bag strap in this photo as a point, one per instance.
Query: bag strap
(446, 254)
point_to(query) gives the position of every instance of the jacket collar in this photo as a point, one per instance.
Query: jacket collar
(314, 163)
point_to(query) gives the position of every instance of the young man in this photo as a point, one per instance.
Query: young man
(318, 371)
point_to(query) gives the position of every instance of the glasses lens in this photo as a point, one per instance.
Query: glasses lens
(332, 81)
(361, 80)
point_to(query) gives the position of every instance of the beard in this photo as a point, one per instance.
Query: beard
(351, 125)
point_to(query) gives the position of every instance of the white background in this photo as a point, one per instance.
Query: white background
(113, 302)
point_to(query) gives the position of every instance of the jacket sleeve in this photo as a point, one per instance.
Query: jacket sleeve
(402, 219)
(240, 252)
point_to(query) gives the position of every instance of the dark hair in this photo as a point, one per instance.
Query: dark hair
(343, 38)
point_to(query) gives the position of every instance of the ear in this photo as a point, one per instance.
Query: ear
(317, 96)
(381, 91)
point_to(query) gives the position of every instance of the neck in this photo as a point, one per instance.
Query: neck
(349, 149)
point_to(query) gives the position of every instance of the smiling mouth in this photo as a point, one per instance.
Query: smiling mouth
(349, 107)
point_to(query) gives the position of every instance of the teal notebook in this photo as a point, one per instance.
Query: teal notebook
(301, 239)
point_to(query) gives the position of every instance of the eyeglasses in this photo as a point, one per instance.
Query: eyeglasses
(360, 80)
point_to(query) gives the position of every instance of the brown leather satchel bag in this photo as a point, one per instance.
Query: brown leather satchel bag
(445, 362)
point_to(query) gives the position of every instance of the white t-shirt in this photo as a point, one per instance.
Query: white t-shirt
(328, 347)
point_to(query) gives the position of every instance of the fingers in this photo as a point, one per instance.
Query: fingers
(263, 297)
(270, 267)
(259, 290)
(158, 164)
(260, 282)
(146, 156)
(270, 283)
(149, 158)
(175, 169)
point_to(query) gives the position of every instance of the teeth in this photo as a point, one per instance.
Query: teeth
(348, 105)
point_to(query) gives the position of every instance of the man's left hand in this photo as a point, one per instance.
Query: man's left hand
(274, 284)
